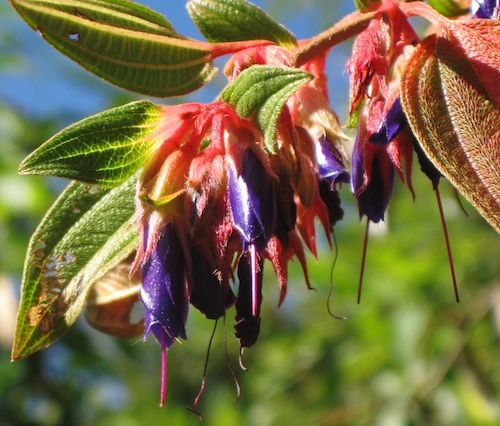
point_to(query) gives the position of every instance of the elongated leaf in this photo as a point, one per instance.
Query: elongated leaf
(124, 43)
(111, 303)
(86, 233)
(263, 90)
(455, 120)
(450, 8)
(106, 148)
(235, 20)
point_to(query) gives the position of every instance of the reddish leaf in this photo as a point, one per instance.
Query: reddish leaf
(450, 101)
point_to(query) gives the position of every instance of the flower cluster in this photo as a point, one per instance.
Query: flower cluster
(383, 144)
(213, 204)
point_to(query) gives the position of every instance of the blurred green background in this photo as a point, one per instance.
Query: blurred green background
(408, 355)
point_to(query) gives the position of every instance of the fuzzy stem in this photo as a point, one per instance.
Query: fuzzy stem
(346, 28)
(221, 49)
(418, 8)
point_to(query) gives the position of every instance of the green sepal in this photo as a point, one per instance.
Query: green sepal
(124, 43)
(105, 149)
(262, 91)
(86, 233)
(237, 20)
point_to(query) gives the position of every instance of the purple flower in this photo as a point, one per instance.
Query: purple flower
(252, 201)
(207, 292)
(373, 196)
(329, 161)
(391, 125)
(286, 210)
(485, 9)
(331, 199)
(250, 273)
(163, 290)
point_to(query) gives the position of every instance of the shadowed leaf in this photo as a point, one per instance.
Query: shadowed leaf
(111, 303)
(86, 233)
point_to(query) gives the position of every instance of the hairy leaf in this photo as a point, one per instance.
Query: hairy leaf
(87, 232)
(124, 43)
(263, 90)
(111, 303)
(455, 119)
(106, 148)
(235, 20)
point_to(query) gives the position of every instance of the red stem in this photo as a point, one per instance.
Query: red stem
(448, 247)
(346, 28)
(363, 260)
(163, 392)
(221, 49)
(417, 8)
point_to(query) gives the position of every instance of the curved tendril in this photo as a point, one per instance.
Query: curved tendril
(228, 361)
(240, 360)
(196, 401)
(448, 246)
(330, 290)
(363, 260)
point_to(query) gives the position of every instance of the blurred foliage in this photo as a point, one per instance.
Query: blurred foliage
(408, 355)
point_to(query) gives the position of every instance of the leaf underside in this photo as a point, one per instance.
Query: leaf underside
(111, 303)
(455, 120)
(86, 233)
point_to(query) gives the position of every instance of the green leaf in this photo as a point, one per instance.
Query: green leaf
(450, 8)
(263, 91)
(455, 119)
(367, 5)
(237, 20)
(106, 148)
(122, 42)
(87, 232)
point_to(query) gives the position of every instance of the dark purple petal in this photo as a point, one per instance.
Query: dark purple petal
(331, 199)
(484, 9)
(252, 201)
(329, 160)
(206, 291)
(391, 125)
(426, 165)
(286, 212)
(247, 325)
(372, 200)
(163, 290)
(358, 166)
